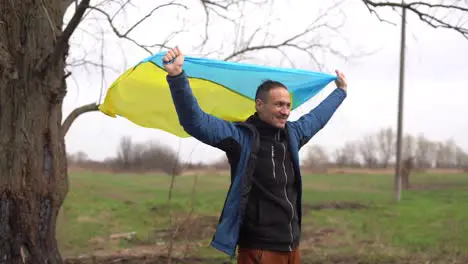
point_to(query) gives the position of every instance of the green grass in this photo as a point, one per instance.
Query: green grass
(427, 220)
(431, 220)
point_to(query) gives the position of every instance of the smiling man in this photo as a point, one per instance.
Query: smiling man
(262, 211)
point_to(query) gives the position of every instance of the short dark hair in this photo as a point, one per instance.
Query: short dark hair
(265, 87)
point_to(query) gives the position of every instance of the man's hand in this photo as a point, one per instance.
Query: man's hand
(341, 81)
(174, 68)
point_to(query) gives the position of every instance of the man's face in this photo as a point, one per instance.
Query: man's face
(276, 109)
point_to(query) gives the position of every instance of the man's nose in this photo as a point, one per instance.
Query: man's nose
(284, 111)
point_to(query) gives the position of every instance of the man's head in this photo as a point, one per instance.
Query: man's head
(273, 103)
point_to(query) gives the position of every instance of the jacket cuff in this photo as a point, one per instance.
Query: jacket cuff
(171, 78)
(341, 92)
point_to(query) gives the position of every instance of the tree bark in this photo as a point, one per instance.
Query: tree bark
(33, 180)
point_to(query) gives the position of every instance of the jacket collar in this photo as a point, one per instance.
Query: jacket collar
(265, 129)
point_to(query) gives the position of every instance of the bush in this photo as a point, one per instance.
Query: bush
(149, 156)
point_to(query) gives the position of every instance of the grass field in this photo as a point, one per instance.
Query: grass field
(347, 218)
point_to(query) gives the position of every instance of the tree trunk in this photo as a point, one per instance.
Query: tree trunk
(33, 180)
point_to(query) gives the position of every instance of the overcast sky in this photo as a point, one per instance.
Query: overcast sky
(436, 75)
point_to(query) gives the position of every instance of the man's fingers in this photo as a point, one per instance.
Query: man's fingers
(172, 54)
(340, 74)
(178, 51)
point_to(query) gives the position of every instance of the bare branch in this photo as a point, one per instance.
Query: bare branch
(224, 6)
(84, 62)
(221, 8)
(75, 114)
(308, 40)
(207, 22)
(426, 15)
(85, 59)
(126, 34)
(176, 167)
(372, 11)
(102, 68)
(66, 34)
(150, 14)
(121, 8)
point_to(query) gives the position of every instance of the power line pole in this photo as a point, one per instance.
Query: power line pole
(399, 142)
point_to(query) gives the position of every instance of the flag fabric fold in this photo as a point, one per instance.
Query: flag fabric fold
(223, 89)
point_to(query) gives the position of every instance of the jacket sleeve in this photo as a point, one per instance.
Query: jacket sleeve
(311, 123)
(200, 125)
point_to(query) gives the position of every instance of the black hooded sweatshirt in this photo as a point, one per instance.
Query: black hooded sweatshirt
(270, 221)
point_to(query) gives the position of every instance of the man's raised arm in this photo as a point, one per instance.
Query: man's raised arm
(311, 123)
(200, 125)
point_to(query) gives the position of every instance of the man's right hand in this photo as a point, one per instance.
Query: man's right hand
(341, 81)
(174, 68)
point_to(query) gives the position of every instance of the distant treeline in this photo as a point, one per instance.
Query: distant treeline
(378, 150)
(373, 151)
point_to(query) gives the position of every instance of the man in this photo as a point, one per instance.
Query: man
(262, 211)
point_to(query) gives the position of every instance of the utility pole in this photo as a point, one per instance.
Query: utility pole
(399, 142)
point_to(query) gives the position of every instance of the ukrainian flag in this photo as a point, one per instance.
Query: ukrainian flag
(223, 89)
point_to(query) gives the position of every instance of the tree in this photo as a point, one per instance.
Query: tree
(424, 152)
(146, 157)
(347, 155)
(409, 147)
(441, 14)
(461, 158)
(451, 152)
(368, 150)
(317, 158)
(34, 49)
(33, 166)
(386, 146)
(446, 154)
(77, 158)
(125, 153)
(34, 64)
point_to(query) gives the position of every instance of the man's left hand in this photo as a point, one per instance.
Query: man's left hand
(341, 81)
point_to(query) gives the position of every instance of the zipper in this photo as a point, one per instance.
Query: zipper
(286, 196)
(273, 160)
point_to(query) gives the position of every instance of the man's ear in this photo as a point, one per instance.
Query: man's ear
(259, 104)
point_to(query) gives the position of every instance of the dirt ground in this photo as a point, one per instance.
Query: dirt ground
(145, 259)
(200, 227)
(146, 252)
(307, 259)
